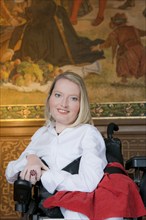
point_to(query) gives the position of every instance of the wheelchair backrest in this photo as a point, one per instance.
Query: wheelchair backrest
(113, 145)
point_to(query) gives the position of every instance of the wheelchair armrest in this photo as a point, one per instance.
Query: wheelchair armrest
(136, 162)
(139, 164)
(22, 195)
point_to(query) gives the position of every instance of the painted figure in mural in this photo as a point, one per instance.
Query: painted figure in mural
(6, 14)
(69, 134)
(13, 15)
(127, 4)
(100, 14)
(51, 38)
(76, 8)
(125, 41)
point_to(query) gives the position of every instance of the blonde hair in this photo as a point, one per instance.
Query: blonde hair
(84, 116)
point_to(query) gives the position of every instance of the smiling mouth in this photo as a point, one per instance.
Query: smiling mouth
(63, 111)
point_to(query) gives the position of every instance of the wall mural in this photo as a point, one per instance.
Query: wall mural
(104, 41)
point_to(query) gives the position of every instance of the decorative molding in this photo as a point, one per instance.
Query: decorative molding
(98, 110)
(125, 109)
(19, 112)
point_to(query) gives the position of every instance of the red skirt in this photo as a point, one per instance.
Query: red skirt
(115, 196)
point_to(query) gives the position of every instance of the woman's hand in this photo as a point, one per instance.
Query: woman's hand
(33, 170)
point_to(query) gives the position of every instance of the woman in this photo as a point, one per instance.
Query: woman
(68, 134)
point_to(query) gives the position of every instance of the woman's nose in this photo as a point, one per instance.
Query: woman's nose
(64, 102)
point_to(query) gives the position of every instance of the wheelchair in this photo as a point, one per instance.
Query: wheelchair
(28, 198)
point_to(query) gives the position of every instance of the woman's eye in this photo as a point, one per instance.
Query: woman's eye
(57, 95)
(74, 99)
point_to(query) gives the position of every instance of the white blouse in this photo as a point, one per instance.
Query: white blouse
(60, 150)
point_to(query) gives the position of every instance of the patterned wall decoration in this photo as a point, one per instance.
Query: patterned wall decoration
(10, 149)
(106, 110)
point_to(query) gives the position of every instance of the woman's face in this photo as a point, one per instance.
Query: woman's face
(64, 103)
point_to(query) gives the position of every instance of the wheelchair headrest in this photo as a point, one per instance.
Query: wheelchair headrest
(110, 129)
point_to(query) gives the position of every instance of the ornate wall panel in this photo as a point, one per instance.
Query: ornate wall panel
(14, 137)
(133, 145)
(10, 149)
